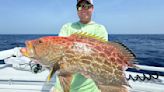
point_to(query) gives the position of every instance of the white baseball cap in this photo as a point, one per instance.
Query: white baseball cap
(90, 1)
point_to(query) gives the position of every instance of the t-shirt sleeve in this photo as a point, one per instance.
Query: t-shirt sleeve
(64, 31)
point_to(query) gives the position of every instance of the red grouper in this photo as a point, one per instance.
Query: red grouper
(89, 55)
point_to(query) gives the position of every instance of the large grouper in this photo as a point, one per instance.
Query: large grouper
(103, 61)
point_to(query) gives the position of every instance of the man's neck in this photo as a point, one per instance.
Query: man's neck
(85, 22)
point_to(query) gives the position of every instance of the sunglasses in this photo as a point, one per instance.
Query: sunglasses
(85, 6)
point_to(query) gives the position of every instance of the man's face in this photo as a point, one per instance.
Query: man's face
(85, 11)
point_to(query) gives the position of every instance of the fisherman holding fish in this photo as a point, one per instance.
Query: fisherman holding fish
(81, 56)
(78, 81)
(85, 10)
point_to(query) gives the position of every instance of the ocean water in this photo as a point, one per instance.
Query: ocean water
(149, 49)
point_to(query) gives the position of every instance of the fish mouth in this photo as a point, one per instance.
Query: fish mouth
(24, 52)
(28, 51)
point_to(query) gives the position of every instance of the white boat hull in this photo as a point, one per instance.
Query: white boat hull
(12, 80)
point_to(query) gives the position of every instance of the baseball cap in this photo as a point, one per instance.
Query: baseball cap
(89, 1)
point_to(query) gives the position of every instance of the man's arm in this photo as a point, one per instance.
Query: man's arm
(64, 31)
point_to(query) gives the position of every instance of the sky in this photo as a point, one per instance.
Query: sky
(48, 16)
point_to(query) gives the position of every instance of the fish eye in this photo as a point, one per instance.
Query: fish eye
(40, 41)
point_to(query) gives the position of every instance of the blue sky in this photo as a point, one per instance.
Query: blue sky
(48, 16)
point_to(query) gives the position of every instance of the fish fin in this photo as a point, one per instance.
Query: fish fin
(111, 88)
(127, 48)
(88, 35)
(50, 75)
(130, 56)
(52, 71)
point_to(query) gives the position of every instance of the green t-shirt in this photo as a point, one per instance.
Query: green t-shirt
(91, 28)
(80, 83)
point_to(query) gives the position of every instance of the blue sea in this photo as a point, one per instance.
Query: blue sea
(149, 49)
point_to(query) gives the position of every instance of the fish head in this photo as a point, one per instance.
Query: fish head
(35, 48)
(29, 50)
(45, 50)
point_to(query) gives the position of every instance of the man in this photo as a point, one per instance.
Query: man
(85, 9)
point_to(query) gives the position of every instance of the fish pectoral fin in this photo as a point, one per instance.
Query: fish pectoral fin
(52, 71)
(50, 75)
(111, 88)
